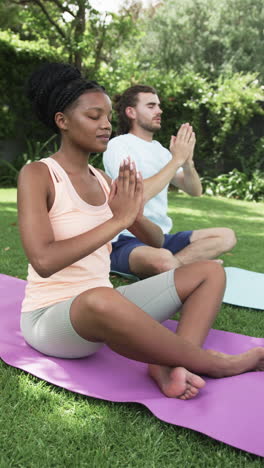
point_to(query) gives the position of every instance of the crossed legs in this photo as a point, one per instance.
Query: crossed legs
(103, 314)
(205, 244)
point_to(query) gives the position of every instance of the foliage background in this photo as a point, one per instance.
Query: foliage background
(204, 57)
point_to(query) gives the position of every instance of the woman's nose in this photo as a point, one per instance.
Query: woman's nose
(106, 123)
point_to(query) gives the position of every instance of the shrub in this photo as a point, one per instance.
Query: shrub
(236, 184)
(35, 151)
(227, 116)
(17, 60)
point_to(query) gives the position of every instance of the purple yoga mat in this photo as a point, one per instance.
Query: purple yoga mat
(230, 410)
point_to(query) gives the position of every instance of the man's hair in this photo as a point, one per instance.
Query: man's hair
(55, 86)
(129, 98)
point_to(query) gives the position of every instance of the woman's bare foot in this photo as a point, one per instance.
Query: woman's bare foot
(252, 360)
(176, 382)
(217, 353)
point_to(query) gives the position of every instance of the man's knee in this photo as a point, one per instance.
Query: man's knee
(152, 262)
(162, 261)
(225, 238)
(229, 239)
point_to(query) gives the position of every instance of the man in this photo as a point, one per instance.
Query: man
(139, 117)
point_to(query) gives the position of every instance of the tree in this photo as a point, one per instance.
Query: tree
(207, 36)
(84, 35)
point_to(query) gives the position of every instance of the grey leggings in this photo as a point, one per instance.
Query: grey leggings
(49, 329)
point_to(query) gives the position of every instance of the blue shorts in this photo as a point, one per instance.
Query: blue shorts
(123, 247)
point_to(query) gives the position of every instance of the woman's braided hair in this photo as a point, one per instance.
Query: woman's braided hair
(53, 87)
(129, 98)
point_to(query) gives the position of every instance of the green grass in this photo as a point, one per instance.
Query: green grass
(45, 426)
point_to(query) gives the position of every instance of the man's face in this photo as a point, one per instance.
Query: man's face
(147, 112)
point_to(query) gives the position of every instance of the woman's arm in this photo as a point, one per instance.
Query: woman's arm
(48, 256)
(144, 229)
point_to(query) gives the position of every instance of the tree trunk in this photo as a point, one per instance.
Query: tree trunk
(79, 32)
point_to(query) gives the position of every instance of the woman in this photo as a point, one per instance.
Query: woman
(68, 214)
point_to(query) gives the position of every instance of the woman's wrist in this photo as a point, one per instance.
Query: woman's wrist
(118, 224)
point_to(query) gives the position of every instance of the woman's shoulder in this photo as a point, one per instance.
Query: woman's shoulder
(34, 173)
(34, 167)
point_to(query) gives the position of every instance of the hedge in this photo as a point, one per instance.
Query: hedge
(227, 115)
(17, 59)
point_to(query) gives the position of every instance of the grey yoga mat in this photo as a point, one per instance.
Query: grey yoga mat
(244, 288)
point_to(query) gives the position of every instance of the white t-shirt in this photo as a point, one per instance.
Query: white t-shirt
(150, 158)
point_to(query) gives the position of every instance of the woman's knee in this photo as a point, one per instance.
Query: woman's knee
(98, 299)
(214, 273)
(201, 271)
(190, 277)
(92, 306)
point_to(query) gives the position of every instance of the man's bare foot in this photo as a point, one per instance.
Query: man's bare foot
(176, 382)
(218, 260)
(179, 262)
(252, 360)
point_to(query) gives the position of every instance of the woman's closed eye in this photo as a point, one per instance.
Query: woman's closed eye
(97, 117)
(93, 117)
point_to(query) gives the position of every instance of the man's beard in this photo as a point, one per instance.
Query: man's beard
(149, 127)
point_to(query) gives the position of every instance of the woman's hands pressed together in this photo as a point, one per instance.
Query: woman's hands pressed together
(126, 195)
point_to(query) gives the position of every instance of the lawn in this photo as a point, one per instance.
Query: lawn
(45, 426)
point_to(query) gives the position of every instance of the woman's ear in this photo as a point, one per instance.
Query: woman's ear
(61, 121)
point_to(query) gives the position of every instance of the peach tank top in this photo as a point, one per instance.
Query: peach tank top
(69, 217)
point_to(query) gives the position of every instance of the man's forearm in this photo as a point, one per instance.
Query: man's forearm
(192, 180)
(188, 180)
(148, 232)
(156, 183)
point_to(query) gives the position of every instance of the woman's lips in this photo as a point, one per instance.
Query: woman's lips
(104, 137)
